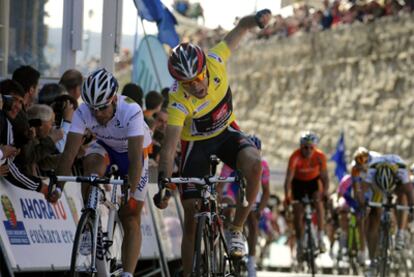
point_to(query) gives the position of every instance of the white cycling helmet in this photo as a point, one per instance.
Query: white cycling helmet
(385, 177)
(308, 137)
(99, 88)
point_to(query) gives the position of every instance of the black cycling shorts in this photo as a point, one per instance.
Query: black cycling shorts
(195, 156)
(301, 188)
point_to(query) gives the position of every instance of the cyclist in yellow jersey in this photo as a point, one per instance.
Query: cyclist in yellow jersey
(200, 112)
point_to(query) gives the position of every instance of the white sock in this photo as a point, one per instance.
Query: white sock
(126, 274)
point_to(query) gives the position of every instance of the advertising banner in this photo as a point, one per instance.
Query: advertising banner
(35, 234)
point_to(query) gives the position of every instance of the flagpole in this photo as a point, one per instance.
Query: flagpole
(151, 55)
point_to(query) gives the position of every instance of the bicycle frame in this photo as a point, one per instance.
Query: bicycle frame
(209, 207)
(95, 198)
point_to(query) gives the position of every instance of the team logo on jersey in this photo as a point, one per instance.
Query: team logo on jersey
(118, 123)
(179, 107)
(216, 57)
(202, 106)
(217, 81)
(15, 229)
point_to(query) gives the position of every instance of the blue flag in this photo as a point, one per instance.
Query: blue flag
(155, 11)
(339, 158)
(166, 29)
(151, 10)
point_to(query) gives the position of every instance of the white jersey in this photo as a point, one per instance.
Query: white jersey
(402, 172)
(128, 121)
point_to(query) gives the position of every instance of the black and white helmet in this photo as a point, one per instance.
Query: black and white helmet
(99, 88)
(386, 176)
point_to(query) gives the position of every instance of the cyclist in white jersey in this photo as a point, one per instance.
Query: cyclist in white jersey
(122, 138)
(387, 173)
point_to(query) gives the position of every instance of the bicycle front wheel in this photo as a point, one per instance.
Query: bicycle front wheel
(114, 252)
(81, 259)
(201, 263)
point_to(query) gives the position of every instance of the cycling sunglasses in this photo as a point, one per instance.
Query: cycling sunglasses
(307, 147)
(199, 78)
(100, 108)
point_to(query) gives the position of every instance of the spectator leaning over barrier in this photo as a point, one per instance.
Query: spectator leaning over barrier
(13, 102)
(6, 151)
(42, 118)
(72, 80)
(200, 112)
(63, 106)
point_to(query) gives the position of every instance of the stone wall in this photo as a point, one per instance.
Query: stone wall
(359, 79)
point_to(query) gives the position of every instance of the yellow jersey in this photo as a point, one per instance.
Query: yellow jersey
(204, 118)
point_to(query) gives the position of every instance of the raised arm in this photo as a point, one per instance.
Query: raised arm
(261, 19)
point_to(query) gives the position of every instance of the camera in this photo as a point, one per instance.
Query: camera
(59, 105)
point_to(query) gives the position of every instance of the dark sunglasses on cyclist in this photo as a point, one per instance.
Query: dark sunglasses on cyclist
(100, 108)
(307, 147)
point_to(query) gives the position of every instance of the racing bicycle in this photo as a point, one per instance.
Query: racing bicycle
(94, 250)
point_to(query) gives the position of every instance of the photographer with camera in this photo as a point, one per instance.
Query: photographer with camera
(63, 105)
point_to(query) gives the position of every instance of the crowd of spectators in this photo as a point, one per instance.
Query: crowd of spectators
(306, 18)
(34, 124)
(332, 15)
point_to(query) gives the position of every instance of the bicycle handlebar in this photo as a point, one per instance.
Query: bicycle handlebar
(200, 181)
(397, 207)
(90, 179)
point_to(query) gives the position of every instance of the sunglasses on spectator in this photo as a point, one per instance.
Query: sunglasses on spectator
(199, 78)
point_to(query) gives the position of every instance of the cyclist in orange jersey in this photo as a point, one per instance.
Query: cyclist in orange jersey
(307, 175)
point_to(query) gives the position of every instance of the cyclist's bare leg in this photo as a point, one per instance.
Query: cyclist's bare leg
(320, 209)
(189, 230)
(253, 225)
(374, 219)
(402, 199)
(361, 231)
(131, 244)
(228, 212)
(250, 165)
(92, 164)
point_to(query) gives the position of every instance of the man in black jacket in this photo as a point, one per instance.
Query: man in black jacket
(13, 101)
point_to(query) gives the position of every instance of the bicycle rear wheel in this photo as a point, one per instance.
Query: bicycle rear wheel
(201, 263)
(83, 246)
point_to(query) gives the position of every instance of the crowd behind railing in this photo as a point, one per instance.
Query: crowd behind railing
(34, 123)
